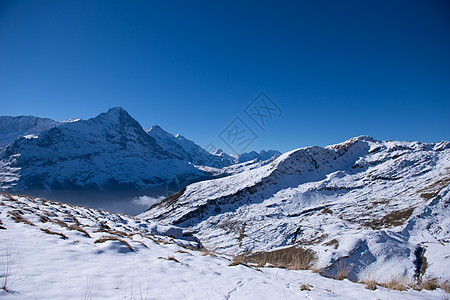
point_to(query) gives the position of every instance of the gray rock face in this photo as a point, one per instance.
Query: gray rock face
(14, 127)
(110, 151)
(375, 206)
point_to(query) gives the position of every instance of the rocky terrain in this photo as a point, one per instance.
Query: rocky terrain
(378, 209)
(109, 152)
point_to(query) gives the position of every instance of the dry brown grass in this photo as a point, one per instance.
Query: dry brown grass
(433, 189)
(113, 231)
(8, 271)
(343, 271)
(44, 219)
(424, 266)
(326, 210)
(430, 284)
(78, 228)
(305, 287)
(317, 270)
(238, 260)
(395, 284)
(16, 216)
(333, 243)
(172, 258)
(48, 231)
(113, 238)
(392, 219)
(293, 258)
(371, 285)
(71, 227)
(445, 286)
(206, 252)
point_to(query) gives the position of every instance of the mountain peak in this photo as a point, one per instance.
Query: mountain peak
(116, 109)
(120, 115)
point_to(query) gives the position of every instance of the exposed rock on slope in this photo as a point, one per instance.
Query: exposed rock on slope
(184, 149)
(60, 251)
(376, 207)
(111, 151)
(30, 126)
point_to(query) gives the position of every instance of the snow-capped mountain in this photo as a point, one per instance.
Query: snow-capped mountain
(187, 150)
(110, 151)
(261, 156)
(12, 128)
(378, 209)
(184, 149)
(227, 157)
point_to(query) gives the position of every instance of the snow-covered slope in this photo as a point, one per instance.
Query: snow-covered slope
(110, 151)
(185, 149)
(50, 250)
(29, 126)
(377, 208)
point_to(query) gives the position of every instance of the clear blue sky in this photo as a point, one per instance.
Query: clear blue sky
(337, 69)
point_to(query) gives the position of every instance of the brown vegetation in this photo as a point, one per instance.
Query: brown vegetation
(395, 284)
(112, 231)
(371, 285)
(430, 284)
(48, 231)
(113, 238)
(71, 227)
(333, 242)
(342, 271)
(433, 189)
(305, 287)
(293, 258)
(392, 219)
(16, 216)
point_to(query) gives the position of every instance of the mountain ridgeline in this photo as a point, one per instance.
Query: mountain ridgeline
(378, 209)
(109, 152)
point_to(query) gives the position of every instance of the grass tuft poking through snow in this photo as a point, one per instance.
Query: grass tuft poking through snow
(430, 284)
(107, 238)
(16, 215)
(48, 231)
(8, 276)
(343, 271)
(305, 287)
(371, 285)
(395, 284)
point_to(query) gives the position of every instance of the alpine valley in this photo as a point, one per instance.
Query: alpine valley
(362, 218)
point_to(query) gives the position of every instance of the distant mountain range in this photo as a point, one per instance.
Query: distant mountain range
(109, 152)
(365, 209)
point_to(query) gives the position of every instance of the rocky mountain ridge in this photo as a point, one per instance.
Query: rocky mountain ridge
(378, 208)
(109, 152)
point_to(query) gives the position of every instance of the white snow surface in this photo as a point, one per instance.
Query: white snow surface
(109, 151)
(52, 251)
(375, 206)
(26, 126)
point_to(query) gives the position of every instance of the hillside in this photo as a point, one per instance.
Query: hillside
(50, 250)
(377, 208)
